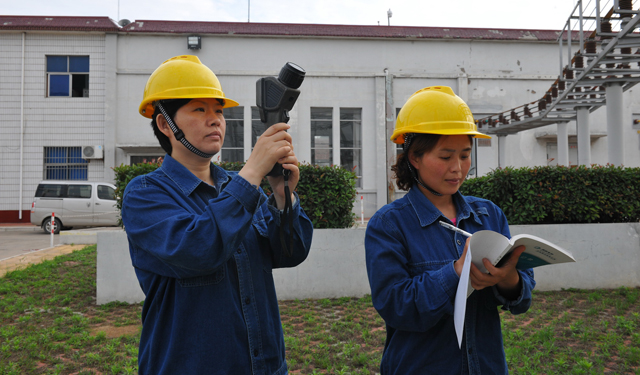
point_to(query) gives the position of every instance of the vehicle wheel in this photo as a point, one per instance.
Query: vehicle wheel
(47, 226)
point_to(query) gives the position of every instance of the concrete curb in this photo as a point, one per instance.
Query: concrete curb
(11, 228)
(24, 260)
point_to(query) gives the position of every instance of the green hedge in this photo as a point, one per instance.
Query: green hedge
(326, 193)
(545, 195)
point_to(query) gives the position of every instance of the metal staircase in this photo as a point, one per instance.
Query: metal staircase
(608, 53)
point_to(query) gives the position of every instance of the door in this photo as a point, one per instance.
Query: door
(106, 212)
(78, 206)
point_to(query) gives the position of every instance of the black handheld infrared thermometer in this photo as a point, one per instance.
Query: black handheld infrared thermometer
(275, 97)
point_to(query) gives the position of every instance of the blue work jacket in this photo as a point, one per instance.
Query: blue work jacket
(204, 257)
(413, 285)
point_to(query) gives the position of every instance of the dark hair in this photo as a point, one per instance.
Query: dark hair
(420, 144)
(171, 106)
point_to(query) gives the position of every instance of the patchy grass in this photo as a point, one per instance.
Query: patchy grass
(50, 324)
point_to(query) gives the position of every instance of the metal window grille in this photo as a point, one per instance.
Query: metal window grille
(233, 147)
(351, 141)
(321, 136)
(65, 163)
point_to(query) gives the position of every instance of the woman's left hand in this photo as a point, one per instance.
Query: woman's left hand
(290, 163)
(506, 278)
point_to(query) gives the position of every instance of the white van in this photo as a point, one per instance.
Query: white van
(75, 204)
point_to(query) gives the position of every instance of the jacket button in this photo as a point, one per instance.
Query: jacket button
(247, 301)
(459, 242)
(239, 251)
(255, 352)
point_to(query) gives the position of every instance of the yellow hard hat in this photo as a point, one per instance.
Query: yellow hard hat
(181, 77)
(435, 110)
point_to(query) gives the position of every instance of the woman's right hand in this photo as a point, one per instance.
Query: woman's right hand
(273, 144)
(458, 264)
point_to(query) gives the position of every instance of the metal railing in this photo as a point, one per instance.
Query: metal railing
(604, 56)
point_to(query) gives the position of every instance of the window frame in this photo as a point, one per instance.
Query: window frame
(70, 73)
(313, 147)
(235, 149)
(354, 148)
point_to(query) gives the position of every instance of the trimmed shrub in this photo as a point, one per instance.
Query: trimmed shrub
(545, 195)
(326, 193)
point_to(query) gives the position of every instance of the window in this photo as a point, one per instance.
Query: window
(64, 163)
(233, 147)
(51, 191)
(137, 159)
(68, 76)
(106, 192)
(321, 136)
(351, 141)
(399, 149)
(552, 153)
(79, 191)
(257, 126)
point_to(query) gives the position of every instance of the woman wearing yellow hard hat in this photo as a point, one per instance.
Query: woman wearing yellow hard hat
(414, 264)
(203, 240)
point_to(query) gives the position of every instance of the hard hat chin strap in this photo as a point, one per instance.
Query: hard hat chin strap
(415, 177)
(180, 135)
(408, 137)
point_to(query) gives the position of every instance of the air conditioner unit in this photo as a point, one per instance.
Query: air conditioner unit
(92, 152)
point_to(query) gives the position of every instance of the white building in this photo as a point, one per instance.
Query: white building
(71, 82)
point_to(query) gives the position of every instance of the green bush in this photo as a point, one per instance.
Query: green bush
(545, 195)
(125, 173)
(326, 193)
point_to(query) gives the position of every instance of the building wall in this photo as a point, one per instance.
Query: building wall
(377, 75)
(47, 121)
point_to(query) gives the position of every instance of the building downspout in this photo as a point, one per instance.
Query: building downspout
(21, 129)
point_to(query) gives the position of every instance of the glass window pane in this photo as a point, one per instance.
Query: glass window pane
(321, 157)
(234, 136)
(79, 64)
(58, 85)
(350, 134)
(351, 160)
(80, 85)
(79, 191)
(350, 127)
(49, 191)
(232, 155)
(351, 114)
(137, 159)
(257, 127)
(57, 64)
(321, 134)
(321, 113)
(106, 192)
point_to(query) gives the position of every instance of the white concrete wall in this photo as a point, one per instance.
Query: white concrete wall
(48, 121)
(341, 72)
(607, 256)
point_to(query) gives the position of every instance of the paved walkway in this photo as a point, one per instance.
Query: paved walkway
(24, 260)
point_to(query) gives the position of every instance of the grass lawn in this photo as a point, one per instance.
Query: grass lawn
(50, 324)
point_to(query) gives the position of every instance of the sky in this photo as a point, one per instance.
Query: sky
(504, 14)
